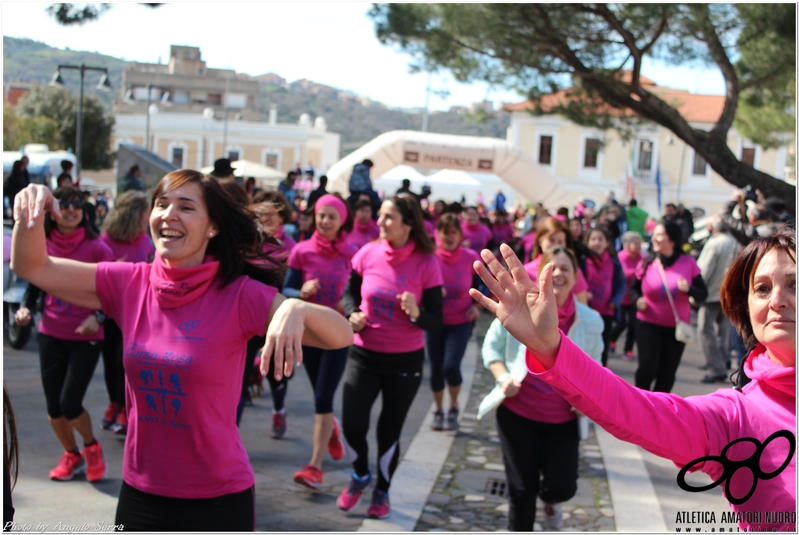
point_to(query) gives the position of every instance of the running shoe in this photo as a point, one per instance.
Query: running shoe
(380, 507)
(553, 516)
(438, 421)
(96, 468)
(628, 356)
(110, 416)
(68, 465)
(120, 427)
(612, 347)
(452, 419)
(279, 425)
(351, 496)
(310, 476)
(334, 446)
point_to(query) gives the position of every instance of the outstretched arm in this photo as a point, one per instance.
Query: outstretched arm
(527, 311)
(72, 281)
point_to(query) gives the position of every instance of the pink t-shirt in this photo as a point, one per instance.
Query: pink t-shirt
(538, 401)
(457, 281)
(138, 250)
(502, 233)
(527, 242)
(600, 283)
(389, 328)
(360, 236)
(580, 284)
(183, 369)
(332, 272)
(629, 265)
(658, 310)
(430, 227)
(59, 318)
(477, 237)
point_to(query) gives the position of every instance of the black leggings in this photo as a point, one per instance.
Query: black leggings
(659, 355)
(608, 321)
(114, 373)
(325, 368)
(277, 388)
(540, 460)
(446, 349)
(142, 511)
(628, 321)
(67, 367)
(368, 373)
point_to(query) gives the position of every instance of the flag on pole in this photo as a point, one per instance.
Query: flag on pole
(657, 182)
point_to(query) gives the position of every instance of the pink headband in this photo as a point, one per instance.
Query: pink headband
(335, 202)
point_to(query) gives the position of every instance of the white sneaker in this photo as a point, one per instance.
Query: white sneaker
(553, 516)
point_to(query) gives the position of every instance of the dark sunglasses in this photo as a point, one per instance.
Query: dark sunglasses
(77, 205)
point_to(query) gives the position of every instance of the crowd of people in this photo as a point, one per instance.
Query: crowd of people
(364, 289)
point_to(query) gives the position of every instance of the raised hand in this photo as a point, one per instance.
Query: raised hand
(31, 203)
(530, 314)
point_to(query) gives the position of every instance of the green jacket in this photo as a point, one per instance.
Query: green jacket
(636, 218)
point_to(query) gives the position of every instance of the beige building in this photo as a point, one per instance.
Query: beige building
(590, 162)
(197, 115)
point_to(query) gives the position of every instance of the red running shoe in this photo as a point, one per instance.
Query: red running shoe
(96, 468)
(120, 427)
(351, 496)
(110, 416)
(380, 507)
(334, 446)
(68, 465)
(279, 426)
(310, 476)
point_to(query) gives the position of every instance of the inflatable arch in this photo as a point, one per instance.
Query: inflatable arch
(445, 151)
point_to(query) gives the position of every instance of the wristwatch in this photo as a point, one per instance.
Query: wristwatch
(100, 317)
(501, 379)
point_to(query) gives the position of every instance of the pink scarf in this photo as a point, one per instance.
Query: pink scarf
(397, 256)
(364, 228)
(63, 245)
(473, 227)
(175, 287)
(566, 314)
(328, 248)
(760, 367)
(449, 257)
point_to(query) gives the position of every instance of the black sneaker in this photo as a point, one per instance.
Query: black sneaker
(438, 421)
(452, 419)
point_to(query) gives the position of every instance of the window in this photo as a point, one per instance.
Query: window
(645, 155)
(591, 152)
(545, 150)
(214, 99)
(232, 155)
(700, 165)
(748, 156)
(177, 157)
(271, 160)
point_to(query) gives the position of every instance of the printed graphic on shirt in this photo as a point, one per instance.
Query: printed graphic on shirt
(187, 327)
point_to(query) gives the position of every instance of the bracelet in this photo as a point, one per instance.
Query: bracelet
(501, 379)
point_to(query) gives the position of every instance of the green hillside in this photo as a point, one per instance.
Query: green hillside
(31, 61)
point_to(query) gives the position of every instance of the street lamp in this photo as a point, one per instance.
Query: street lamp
(102, 85)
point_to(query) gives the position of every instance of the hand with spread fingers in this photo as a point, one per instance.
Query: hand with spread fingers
(31, 203)
(530, 314)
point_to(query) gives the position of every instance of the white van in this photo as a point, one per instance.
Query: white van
(44, 166)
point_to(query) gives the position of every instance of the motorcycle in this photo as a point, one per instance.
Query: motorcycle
(13, 292)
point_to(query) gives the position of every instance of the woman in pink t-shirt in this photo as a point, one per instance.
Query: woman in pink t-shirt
(392, 297)
(659, 352)
(537, 427)
(501, 230)
(272, 211)
(318, 270)
(184, 467)
(630, 258)
(476, 236)
(606, 282)
(446, 348)
(69, 340)
(364, 228)
(553, 233)
(127, 233)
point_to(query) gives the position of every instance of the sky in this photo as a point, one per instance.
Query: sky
(331, 43)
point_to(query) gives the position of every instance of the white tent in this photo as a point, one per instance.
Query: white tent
(444, 151)
(448, 184)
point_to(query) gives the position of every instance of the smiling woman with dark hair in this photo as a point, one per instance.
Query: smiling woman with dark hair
(715, 433)
(185, 467)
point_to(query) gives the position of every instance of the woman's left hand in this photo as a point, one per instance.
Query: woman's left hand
(408, 304)
(683, 286)
(284, 339)
(88, 327)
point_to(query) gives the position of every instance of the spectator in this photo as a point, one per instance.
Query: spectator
(361, 182)
(636, 217)
(714, 327)
(16, 182)
(133, 180)
(318, 192)
(65, 178)
(498, 204)
(223, 169)
(406, 188)
(286, 187)
(755, 221)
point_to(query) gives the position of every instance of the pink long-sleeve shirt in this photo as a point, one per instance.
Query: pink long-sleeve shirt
(685, 429)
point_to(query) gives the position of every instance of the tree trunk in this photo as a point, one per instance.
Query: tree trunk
(722, 160)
